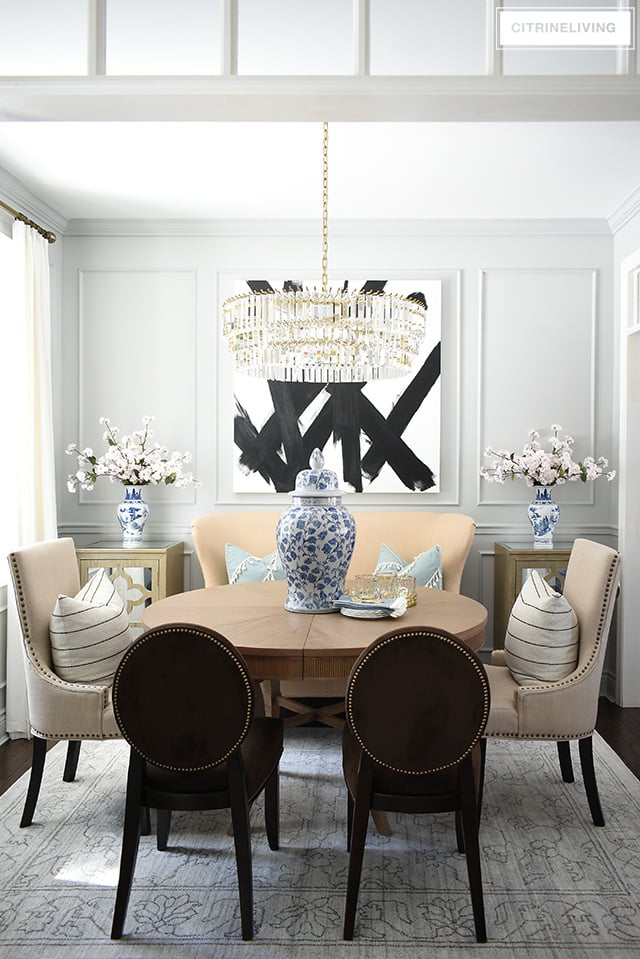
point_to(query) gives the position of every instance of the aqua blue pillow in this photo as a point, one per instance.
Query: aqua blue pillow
(427, 567)
(242, 567)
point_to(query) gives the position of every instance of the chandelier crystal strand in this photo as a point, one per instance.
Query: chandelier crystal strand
(324, 336)
(325, 205)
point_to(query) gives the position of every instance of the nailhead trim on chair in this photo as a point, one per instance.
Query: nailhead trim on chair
(73, 735)
(485, 714)
(230, 653)
(526, 690)
(48, 674)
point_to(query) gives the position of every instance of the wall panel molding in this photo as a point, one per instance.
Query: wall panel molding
(532, 358)
(128, 326)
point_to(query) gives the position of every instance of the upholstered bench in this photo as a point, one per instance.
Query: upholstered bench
(408, 533)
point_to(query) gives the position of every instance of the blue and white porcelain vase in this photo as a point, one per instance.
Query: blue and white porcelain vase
(133, 513)
(315, 539)
(543, 516)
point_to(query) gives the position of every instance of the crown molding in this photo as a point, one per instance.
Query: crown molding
(625, 212)
(340, 228)
(14, 192)
(300, 98)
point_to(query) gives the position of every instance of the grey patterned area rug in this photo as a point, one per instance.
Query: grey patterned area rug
(555, 885)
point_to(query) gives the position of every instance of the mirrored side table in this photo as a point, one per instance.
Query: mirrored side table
(142, 576)
(513, 563)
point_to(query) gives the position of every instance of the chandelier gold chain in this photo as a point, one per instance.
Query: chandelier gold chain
(325, 205)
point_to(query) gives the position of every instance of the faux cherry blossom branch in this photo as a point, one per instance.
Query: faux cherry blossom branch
(131, 460)
(541, 468)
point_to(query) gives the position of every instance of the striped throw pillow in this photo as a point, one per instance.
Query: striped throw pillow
(541, 645)
(89, 633)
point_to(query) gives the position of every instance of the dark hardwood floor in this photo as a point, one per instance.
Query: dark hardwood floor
(619, 727)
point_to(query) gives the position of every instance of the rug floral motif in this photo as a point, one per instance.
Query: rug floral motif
(555, 885)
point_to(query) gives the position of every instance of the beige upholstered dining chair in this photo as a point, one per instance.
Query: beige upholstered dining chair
(567, 709)
(407, 532)
(58, 710)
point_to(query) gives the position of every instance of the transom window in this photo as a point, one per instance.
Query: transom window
(321, 38)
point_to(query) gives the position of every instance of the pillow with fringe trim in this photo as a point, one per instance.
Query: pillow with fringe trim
(427, 567)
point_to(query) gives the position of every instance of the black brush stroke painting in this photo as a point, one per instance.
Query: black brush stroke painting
(280, 447)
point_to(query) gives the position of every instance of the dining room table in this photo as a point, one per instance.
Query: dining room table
(281, 645)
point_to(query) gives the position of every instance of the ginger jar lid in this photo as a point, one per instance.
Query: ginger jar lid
(317, 481)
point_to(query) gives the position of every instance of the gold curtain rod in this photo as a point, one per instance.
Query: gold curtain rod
(47, 234)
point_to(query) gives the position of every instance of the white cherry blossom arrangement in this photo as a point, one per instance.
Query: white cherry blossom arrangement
(541, 468)
(130, 460)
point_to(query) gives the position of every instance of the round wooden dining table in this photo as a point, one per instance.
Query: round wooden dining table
(282, 645)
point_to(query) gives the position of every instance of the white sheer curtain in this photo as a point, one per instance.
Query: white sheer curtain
(29, 473)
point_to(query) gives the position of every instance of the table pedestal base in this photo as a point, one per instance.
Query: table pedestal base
(328, 715)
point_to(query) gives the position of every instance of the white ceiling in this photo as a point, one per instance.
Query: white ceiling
(500, 144)
(376, 170)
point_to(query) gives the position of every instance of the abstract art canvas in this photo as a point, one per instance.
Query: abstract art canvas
(379, 437)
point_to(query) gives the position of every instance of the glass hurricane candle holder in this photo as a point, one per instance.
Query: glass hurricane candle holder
(407, 587)
(386, 586)
(365, 588)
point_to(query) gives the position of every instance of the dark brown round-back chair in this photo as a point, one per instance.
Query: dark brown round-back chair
(185, 702)
(417, 705)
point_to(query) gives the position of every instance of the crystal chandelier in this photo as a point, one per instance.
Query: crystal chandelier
(323, 336)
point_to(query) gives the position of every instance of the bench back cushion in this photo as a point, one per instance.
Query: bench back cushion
(408, 533)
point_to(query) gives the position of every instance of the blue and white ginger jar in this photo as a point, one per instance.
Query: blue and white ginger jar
(315, 539)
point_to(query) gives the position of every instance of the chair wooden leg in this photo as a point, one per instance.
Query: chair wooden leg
(163, 828)
(483, 762)
(35, 779)
(585, 747)
(472, 848)
(242, 841)
(71, 764)
(349, 819)
(360, 821)
(130, 842)
(459, 831)
(566, 766)
(272, 809)
(145, 821)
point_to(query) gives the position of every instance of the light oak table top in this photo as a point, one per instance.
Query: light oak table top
(281, 645)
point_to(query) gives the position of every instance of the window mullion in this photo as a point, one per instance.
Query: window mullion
(229, 37)
(361, 38)
(97, 38)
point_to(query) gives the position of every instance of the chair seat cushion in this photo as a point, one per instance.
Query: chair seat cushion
(541, 644)
(390, 782)
(427, 567)
(243, 567)
(89, 633)
(503, 714)
(261, 751)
